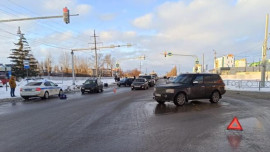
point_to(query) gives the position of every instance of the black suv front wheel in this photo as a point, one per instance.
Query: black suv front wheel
(180, 99)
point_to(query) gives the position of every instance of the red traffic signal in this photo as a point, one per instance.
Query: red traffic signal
(66, 15)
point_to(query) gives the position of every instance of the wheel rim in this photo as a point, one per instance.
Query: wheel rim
(181, 99)
(46, 95)
(215, 97)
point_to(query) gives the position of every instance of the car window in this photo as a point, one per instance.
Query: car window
(216, 79)
(34, 84)
(208, 79)
(183, 78)
(53, 84)
(47, 84)
(146, 77)
(199, 78)
(139, 80)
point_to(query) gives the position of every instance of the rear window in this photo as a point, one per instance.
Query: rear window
(212, 79)
(139, 80)
(146, 77)
(34, 84)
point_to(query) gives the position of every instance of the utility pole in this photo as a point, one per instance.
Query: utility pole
(264, 55)
(73, 73)
(96, 57)
(215, 58)
(203, 63)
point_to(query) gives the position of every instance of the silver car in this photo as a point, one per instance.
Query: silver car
(42, 89)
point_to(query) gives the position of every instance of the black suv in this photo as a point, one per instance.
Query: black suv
(191, 86)
(92, 85)
(125, 82)
(151, 81)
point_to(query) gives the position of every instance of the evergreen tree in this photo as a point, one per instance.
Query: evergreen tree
(21, 53)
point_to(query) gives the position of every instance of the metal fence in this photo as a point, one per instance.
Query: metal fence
(247, 84)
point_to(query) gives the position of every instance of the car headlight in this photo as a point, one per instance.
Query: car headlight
(169, 90)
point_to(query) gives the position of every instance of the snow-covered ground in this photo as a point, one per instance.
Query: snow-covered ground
(66, 85)
(247, 89)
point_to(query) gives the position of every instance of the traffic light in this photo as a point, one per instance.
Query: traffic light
(66, 15)
(165, 54)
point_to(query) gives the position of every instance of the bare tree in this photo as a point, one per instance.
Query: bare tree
(48, 63)
(109, 62)
(64, 61)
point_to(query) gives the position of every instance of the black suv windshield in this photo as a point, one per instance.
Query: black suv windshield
(90, 82)
(183, 78)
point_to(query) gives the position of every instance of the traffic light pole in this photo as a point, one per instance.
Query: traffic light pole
(92, 48)
(34, 18)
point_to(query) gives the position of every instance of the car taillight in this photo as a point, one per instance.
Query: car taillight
(38, 89)
(21, 89)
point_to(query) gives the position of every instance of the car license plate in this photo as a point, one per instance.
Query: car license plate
(137, 86)
(87, 90)
(158, 95)
(27, 89)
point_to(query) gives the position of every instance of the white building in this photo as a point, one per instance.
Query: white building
(225, 61)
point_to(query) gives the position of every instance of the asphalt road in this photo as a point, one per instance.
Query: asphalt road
(132, 121)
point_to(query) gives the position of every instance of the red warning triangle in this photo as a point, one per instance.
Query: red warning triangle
(235, 125)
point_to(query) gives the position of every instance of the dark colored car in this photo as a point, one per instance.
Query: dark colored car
(92, 85)
(191, 86)
(139, 83)
(151, 81)
(125, 82)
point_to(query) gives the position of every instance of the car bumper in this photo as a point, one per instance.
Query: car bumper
(138, 87)
(88, 89)
(163, 96)
(32, 94)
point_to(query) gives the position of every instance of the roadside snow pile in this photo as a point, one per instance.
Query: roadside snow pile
(234, 88)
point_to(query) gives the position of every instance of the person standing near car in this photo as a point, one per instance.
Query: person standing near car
(12, 84)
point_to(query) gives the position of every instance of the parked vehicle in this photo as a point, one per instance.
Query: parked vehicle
(140, 83)
(92, 85)
(42, 89)
(1, 84)
(125, 82)
(191, 86)
(151, 81)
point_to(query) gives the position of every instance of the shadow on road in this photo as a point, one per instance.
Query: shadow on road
(169, 108)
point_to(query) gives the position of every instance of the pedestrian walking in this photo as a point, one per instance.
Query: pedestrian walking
(12, 84)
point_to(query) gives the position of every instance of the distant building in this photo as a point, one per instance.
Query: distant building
(197, 68)
(225, 61)
(240, 63)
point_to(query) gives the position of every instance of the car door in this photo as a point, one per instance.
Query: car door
(48, 87)
(54, 88)
(209, 85)
(197, 88)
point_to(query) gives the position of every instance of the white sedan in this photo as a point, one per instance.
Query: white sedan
(42, 89)
(1, 84)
